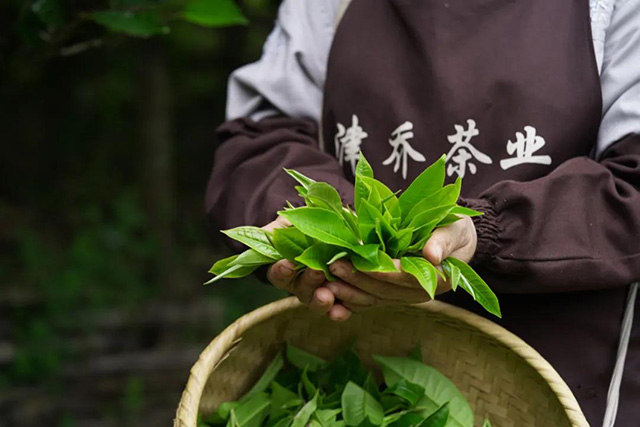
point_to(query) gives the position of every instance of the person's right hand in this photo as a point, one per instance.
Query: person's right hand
(312, 288)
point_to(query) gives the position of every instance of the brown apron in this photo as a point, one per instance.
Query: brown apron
(508, 90)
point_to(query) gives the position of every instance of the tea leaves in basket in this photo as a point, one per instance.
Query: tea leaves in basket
(383, 227)
(342, 393)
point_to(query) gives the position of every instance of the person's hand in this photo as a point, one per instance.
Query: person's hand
(312, 288)
(457, 240)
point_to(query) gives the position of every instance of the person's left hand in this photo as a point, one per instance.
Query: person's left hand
(458, 240)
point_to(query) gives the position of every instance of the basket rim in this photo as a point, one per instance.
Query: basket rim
(215, 352)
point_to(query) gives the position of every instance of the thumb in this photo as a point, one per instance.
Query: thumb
(440, 245)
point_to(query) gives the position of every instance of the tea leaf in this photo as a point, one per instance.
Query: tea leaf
(322, 224)
(448, 220)
(438, 418)
(408, 391)
(476, 287)
(282, 400)
(337, 256)
(317, 257)
(363, 168)
(399, 242)
(438, 389)
(302, 417)
(460, 210)
(256, 238)
(326, 417)
(359, 406)
(448, 195)
(250, 258)
(252, 411)
(303, 180)
(303, 360)
(383, 264)
(269, 375)
(427, 183)
(453, 272)
(323, 195)
(422, 270)
(290, 242)
(229, 272)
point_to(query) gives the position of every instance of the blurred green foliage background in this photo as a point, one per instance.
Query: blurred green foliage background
(108, 112)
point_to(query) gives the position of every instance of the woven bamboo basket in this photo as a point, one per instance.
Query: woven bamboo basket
(503, 378)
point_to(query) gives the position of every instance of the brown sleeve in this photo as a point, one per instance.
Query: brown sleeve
(248, 186)
(576, 229)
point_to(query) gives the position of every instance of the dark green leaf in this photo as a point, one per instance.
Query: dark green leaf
(346, 367)
(290, 242)
(438, 418)
(422, 270)
(476, 287)
(138, 24)
(282, 401)
(303, 360)
(326, 417)
(438, 389)
(416, 353)
(324, 225)
(308, 385)
(256, 238)
(213, 13)
(427, 183)
(222, 413)
(359, 406)
(371, 387)
(400, 242)
(408, 391)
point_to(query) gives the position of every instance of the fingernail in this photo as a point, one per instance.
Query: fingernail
(438, 253)
(316, 274)
(286, 271)
(336, 269)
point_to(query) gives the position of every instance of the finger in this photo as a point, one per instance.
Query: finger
(355, 308)
(282, 275)
(279, 222)
(339, 313)
(322, 301)
(444, 241)
(381, 290)
(399, 278)
(347, 293)
(307, 283)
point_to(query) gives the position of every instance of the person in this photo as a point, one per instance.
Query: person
(535, 104)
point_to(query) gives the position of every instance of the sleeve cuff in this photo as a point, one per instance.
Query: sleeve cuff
(487, 229)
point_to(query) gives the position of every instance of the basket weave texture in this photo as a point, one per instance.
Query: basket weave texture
(503, 378)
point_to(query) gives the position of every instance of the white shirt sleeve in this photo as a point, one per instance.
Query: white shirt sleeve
(620, 74)
(289, 77)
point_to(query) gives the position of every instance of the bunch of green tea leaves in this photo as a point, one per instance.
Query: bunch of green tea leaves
(300, 389)
(382, 227)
